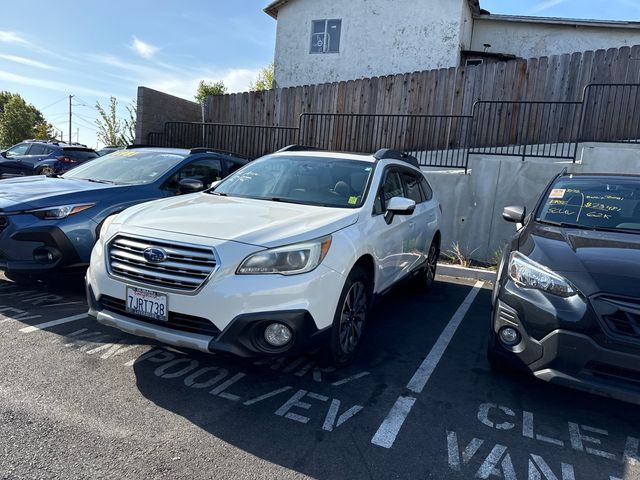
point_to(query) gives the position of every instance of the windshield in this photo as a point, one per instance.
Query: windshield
(321, 181)
(598, 203)
(129, 167)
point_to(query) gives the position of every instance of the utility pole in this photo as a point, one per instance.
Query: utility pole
(70, 97)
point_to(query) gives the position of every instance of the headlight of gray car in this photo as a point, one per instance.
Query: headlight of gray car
(529, 274)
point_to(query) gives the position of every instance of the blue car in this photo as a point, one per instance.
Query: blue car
(34, 157)
(49, 225)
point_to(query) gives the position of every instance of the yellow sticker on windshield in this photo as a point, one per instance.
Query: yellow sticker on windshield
(124, 153)
(353, 200)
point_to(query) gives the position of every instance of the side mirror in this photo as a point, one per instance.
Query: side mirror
(399, 206)
(190, 185)
(514, 214)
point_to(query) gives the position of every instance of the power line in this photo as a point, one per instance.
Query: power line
(85, 123)
(54, 103)
(83, 117)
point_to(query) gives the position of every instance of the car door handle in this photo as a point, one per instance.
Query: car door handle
(412, 224)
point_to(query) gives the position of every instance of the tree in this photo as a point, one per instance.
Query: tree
(44, 131)
(264, 80)
(17, 118)
(111, 129)
(206, 89)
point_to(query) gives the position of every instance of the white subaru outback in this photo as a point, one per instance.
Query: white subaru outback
(283, 256)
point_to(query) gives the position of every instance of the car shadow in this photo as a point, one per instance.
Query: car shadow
(295, 412)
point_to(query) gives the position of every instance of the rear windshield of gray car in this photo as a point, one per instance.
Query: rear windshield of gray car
(606, 203)
(329, 182)
(129, 167)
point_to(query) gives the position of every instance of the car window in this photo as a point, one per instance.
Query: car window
(608, 203)
(427, 192)
(37, 149)
(308, 180)
(412, 186)
(80, 155)
(392, 187)
(128, 167)
(20, 149)
(207, 170)
(233, 166)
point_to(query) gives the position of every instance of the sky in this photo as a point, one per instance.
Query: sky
(95, 49)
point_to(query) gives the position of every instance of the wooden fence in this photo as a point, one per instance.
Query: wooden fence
(450, 91)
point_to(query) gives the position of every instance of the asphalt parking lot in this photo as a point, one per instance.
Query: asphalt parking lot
(79, 400)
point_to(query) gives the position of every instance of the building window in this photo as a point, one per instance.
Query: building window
(325, 36)
(472, 62)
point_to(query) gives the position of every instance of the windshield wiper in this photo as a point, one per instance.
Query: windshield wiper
(565, 224)
(99, 181)
(221, 194)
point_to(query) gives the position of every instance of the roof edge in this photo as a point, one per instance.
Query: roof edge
(273, 7)
(561, 21)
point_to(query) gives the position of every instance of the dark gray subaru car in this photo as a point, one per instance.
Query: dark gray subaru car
(566, 304)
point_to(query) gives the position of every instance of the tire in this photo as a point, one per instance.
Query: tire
(425, 278)
(46, 170)
(350, 318)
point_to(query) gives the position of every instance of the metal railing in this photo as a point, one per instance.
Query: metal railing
(251, 141)
(436, 140)
(526, 129)
(610, 113)
(548, 129)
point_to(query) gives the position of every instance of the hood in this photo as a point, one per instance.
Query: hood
(256, 222)
(594, 261)
(40, 191)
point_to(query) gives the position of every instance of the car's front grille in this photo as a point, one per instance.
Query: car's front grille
(620, 316)
(178, 321)
(186, 267)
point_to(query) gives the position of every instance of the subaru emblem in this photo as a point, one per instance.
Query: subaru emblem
(154, 255)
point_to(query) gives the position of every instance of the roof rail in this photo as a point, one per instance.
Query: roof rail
(297, 148)
(390, 154)
(214, 150)
(138, 145)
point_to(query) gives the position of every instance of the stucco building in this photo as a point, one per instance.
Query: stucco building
(334, 40)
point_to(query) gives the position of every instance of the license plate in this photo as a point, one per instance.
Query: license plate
(147, 303)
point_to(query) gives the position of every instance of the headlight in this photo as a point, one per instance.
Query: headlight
(105, 225)
(57, 213)
(529, 274)
(289, 260)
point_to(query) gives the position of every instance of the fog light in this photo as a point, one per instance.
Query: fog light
(44, 255)
(509, 336)
(277, 334)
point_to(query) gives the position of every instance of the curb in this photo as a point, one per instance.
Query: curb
(464, 272)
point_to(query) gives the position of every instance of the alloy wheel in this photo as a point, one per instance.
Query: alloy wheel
(354, 311)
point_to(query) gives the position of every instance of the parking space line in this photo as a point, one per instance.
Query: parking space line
(388, 431)
(386, 434)
(423, 374)
(53, 323)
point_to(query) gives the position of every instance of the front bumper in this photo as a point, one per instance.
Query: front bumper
(228, 312)
(243, 336)
(23, 236)
(563, 343)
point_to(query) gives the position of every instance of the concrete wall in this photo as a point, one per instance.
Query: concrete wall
(379, 37)
(155, 108)
(473, 203)
(530, 38)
